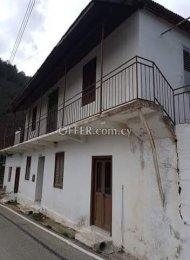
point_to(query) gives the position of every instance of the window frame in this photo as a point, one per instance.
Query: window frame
(59, 183)
(28, 168)
(89, 91)
(10, 173)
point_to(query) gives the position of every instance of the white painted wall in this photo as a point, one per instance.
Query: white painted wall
(147, 226)
(11, 161)
(27, 188)
(183, 148)
(166, 51)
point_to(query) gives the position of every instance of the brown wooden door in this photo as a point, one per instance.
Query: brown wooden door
(17, 178)
(102, 193)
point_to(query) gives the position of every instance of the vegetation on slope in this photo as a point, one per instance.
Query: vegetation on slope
(11, 84)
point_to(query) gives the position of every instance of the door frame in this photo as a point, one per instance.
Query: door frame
(94, 158)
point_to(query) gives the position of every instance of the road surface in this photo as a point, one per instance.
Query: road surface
(21, 240)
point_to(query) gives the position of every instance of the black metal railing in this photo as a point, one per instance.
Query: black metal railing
(182, 105)
(135, 79)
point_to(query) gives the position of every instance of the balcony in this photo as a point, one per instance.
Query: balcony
(138, 79)
(182, 105)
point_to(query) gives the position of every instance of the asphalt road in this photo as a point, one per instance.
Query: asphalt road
(21, 240)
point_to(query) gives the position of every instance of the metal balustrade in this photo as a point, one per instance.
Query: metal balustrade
(182, 105)
(136, 79)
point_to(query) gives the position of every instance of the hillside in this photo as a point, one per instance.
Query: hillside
(11, 84)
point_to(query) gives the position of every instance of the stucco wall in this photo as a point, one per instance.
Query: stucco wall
(183, 148)
(11, 161)
(26, 191)
(149, 230)
(167, 50)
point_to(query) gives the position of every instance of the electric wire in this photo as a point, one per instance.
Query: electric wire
(22, 29)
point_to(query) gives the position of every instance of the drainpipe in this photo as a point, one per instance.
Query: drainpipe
(40, 112)
(29, 112)
(14, 126)
(101, 65)
(122, 220)
(64, 92)
(154, 154)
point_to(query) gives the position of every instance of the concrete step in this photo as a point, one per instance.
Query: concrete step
(95, 239)
(28, 210)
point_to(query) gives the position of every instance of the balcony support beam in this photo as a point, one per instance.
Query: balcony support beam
(154, 154)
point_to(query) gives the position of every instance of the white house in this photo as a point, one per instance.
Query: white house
(113, 69)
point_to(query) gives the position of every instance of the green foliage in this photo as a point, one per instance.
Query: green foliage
(11, 84)
(38, 217)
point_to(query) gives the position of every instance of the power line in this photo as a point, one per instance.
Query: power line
(22, 29)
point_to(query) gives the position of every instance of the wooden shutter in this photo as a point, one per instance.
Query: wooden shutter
(34, 114)
(52, 111)
(53, 100)
(28, 166)
(89, 82)
(59, 167)
(186, 56)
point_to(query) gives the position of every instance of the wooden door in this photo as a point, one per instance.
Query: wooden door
(102, 193)
(52, 111)
(17, 178)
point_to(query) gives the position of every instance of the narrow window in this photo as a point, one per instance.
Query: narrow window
(186, 60)
(34, 114)
(28, 166)
(89, 82)
(9, 174)
(59, 168)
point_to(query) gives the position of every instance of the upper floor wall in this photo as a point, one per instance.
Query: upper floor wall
(165, 50)
(138, 35)
(118, 47)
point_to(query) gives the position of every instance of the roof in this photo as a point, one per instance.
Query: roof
(83, 35)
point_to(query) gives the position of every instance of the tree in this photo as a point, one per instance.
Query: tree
(12, 83)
